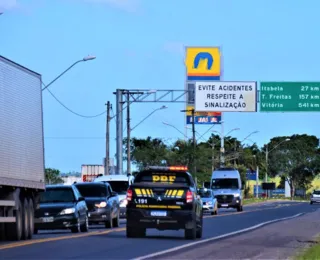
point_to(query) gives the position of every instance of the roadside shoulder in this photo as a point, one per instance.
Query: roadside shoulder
(275, 241)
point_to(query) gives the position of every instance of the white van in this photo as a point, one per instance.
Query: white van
(227, 188)
(119, 184)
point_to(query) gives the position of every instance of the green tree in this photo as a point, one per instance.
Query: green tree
(296, 160)
(146, 152)
(53, 176)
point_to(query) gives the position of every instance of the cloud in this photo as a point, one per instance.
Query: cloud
(126, 5)
(6, 5)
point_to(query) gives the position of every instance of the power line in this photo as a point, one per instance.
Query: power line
(70, 110)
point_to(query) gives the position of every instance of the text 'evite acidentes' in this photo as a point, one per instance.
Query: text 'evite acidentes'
(226, 96)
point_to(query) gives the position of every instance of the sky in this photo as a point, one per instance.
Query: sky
(139, 44)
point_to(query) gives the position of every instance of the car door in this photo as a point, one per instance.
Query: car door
(81, 205)
(112, 202)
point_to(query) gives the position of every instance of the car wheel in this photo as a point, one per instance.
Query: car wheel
(200, 228)
(109, 223)
(116, 221)
(76, 229)
(191, 233)
(311, 202)
(85, 226)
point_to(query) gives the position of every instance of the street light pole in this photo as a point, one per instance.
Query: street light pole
(59, 76)
(267, 156)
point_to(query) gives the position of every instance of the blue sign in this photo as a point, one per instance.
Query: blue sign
(278, 192)
(204, 120)
(251, 176)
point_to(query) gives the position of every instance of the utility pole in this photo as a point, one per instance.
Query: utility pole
(267, 155)
(235, 151)
(106, 170)
(193, 141)
(128, 135)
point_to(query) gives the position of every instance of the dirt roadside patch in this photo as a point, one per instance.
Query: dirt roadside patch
(281, 240)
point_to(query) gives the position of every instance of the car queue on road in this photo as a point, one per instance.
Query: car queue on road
(158, 197)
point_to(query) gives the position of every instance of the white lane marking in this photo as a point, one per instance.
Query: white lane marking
(214, 238)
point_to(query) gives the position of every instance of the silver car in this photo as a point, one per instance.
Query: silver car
(315, 197)
(210, 203)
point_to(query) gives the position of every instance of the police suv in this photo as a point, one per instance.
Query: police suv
(164, 198)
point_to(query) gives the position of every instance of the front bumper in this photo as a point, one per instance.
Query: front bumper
(234, 203)
(175, 219)
(208, 208)
(315, 200)
(99, 215)
(57, 222)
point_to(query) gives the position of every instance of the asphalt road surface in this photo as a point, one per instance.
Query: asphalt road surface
(101, 243)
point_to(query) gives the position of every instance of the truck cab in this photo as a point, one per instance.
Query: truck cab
(226, 185)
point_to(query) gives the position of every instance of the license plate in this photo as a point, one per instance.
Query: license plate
(48, 219)
(224, 205)
(158, 213)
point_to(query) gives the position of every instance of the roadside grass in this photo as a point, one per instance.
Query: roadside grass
(255, 200)
(311, 253)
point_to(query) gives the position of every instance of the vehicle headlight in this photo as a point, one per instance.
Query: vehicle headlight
(102, 204)
(236, 195)
(209, 203)
(123, 203)
(67, 211)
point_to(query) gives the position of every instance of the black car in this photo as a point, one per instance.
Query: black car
(61, 207)
(164, 198)
(103, 204)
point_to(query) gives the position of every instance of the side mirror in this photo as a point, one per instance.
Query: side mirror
(113, 194)
(81, 199)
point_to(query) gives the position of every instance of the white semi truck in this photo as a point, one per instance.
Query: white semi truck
(22, 175)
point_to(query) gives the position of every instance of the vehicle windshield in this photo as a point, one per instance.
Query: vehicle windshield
(225, 184)
(92, 190)
(316, 192)
(163, 177)
(205, 193)
(57, 195)
(119, 187)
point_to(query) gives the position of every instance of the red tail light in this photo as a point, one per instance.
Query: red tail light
(189, 196)
(129, 194)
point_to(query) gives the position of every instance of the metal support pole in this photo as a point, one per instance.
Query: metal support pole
(128, 135)
(212, 156)
(222, 161)
(194, 145)
(119, 119)
(106, 169)
(267, 155)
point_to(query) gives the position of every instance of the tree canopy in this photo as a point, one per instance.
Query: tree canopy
(294, 158)
(53, 176)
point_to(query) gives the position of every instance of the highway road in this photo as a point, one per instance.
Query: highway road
(113, 244)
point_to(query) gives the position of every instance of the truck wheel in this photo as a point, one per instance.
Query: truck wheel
(135, 232)
(239, 208)
(191, 234)
(31, 218)
(25, 219)
(199, 230)
(14, 230)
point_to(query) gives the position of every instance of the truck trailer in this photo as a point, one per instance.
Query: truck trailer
(22, 172)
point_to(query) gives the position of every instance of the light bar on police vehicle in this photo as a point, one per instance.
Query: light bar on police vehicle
(168, 168)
